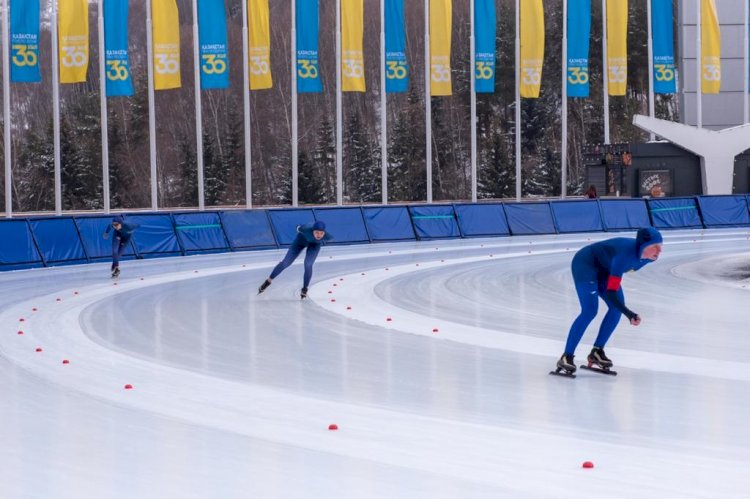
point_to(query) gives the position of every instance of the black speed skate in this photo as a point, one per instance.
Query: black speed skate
(599, 362)
(264, 286)
(565, 367)
(115, 272)
(303, 293)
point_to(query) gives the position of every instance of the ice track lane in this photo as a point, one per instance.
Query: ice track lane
(431, 357)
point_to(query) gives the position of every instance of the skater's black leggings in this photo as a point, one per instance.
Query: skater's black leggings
(118, 248)
(294, 250)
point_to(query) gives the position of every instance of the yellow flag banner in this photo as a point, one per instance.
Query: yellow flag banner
(617, 46)
(532, 47)
(710, 48)
(352, 55)
(441, 19)
(166, 33)
(73, 40)
(259, 50)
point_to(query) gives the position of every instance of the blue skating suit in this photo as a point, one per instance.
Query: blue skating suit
(304, 239)
(597, 271)
(120, 239)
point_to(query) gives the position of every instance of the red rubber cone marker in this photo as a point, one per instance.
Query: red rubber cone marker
(21, 319)
(588, 464)
(333, 427)
(128, 386)
(38, 349)
(434, 330)
(388, 319)
(333, 299)
(348, 308)
(66, 361)
(20, 332)
(33, 309)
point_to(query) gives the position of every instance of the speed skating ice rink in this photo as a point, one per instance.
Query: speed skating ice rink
(427, 360)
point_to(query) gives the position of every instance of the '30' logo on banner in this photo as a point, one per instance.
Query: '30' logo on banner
(24, 56)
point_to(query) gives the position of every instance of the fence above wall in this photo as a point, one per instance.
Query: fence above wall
(46, 241)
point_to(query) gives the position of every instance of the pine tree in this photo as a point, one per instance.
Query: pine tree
(311, 188)
(213, 174)
(361, 164)
(186, 194)
(324, 161)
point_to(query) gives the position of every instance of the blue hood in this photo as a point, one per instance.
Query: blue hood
(646, 237)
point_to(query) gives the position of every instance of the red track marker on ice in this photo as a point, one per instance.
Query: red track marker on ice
(588, 464)
(128, 386)
(66, 361)
(333, 427)
(38, 349)
(20, 332)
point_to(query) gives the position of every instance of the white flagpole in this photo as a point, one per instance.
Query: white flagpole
(427, 101)
(295, 145)
(605, 76)
(246, 103)
(103, 108)
(56, 112)
(698, 70)
(651, 103)
(339, 112)
(564, 110)
(518, 100)
(745, 57)
(383, 103)
(198, 106)
(6, 112)
(151, 107)
(473, 101)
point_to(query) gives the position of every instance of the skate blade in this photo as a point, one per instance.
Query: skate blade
(562, 373)
(599, 370)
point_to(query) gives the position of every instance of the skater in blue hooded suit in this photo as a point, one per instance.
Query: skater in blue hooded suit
(597, 271)
(123, 231)
(309, 236)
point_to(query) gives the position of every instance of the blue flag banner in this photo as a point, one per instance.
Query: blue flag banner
(116, 59)
(484, 57)
(579, 31)
(396, 68)
(24, 41)
(663, 33)
(308, 70)
(212, 35)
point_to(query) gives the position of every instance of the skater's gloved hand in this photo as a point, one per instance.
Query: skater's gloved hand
(635, 320)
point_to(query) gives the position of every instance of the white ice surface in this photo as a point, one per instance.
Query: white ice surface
(234, 391)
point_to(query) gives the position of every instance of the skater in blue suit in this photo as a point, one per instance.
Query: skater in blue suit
(123, 231)
(309, 236)
(597, 271)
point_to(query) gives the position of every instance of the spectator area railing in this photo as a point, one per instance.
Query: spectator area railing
(73, 239)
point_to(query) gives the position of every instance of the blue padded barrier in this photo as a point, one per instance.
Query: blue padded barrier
(388, 223)
(482, 219)
(345, 225)
(577, 216)
(17, 247)
(674, 213)
(718, 211)
(58, 240)
(200, 232)
(432, 222)
(155, 235)
(285, 222)
(96, 247)
(624, 214)
(530, 218)
(248, 229)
